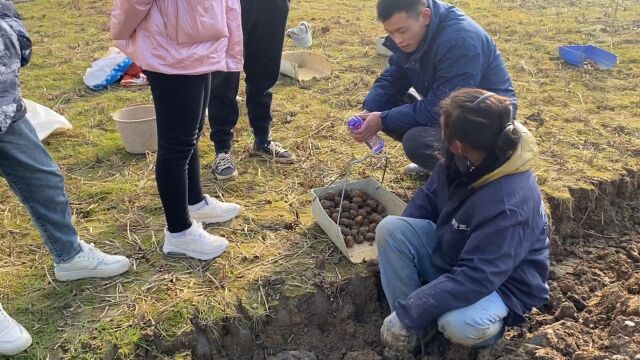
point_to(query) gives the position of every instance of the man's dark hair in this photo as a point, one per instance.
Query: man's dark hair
(388, 8)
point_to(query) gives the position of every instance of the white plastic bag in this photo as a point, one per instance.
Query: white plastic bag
(45, 120)
(107, 70)
(301, 35)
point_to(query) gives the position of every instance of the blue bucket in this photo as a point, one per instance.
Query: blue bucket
(579, 54)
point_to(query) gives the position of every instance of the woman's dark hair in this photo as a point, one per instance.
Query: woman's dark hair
(480, 119)
(388, 8)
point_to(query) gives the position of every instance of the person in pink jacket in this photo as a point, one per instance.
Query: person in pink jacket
(179, 44)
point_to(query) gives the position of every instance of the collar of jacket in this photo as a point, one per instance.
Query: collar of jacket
(521, 160)
(412, 60)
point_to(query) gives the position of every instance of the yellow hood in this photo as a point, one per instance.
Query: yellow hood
(521, 160)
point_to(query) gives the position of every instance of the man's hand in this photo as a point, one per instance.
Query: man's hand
(372, 125)
(397, 337)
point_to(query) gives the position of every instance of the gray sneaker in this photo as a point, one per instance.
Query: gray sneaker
(416, 170)
(274, 151)
(224, 167)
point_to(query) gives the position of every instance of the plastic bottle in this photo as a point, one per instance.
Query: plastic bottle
(375, 143)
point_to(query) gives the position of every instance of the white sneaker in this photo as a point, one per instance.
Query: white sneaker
(196, 243)
(415, 170)
(91, 263)
(215, 211)
(14, 339)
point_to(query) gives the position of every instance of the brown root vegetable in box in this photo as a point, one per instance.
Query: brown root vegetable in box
(345, 231)
(326, 204)
(357, 201)
(370, 237)
(334, 217)
(359, 239)
(348, 240)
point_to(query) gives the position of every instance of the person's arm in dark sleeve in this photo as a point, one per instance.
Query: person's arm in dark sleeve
(424, 203)
(459, 66)
(388, 89)
(492, 252)
(9, 14)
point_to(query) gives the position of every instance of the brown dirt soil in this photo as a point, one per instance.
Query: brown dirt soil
(593, 313)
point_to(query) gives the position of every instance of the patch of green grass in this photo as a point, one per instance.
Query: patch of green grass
(586, 123)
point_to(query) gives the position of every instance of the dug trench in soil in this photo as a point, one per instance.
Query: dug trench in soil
(593, 313)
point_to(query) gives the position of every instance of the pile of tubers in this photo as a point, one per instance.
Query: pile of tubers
(357, 214)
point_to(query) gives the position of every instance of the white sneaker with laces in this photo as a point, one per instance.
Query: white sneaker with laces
(196, 243)
(215, 211)
(14, 339)
(91, 263)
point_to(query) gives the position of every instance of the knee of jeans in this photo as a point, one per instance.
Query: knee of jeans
(387, 230)
(461, 329)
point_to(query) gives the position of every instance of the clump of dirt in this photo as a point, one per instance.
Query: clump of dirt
(337, 324)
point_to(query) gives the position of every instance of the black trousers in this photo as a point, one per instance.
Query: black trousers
(263, 26)
(421, 144)
(180, 102)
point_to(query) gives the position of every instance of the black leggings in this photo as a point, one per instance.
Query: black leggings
(180, 102)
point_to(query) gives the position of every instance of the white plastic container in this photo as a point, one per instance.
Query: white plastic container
(137, 127)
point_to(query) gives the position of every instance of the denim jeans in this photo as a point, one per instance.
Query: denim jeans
(404, 249)
(36, 180)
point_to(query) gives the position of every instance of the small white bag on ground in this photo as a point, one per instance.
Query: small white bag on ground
(45, 120)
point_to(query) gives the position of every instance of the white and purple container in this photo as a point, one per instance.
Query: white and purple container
(375, 143)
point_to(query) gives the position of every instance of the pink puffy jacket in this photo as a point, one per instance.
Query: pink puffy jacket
(188, 37)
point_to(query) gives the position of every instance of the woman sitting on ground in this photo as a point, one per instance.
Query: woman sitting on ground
(470, 253)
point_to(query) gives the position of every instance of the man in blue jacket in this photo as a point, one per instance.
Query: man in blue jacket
(436, 50)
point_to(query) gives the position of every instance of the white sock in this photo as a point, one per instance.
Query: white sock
(199, 205)
(181, 234)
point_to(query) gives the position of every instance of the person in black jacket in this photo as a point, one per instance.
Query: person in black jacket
(471, 251)
(263, 27)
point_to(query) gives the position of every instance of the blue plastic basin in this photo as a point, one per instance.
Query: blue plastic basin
(579, 54)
